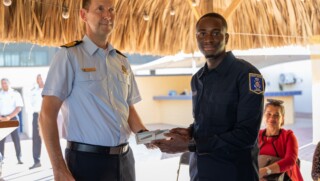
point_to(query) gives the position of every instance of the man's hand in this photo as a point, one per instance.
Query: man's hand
(150, 146)
(7, 118)
(63, 175)
(178, 142)
(181, 131)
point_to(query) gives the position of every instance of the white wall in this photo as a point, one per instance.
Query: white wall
(302, 71)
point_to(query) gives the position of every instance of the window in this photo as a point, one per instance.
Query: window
(24, 59)
(25, 55)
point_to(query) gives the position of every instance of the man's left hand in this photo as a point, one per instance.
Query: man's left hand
(177, 143)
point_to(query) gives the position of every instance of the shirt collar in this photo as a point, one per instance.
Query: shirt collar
(92, 47)
(222, 67)
(9, 90)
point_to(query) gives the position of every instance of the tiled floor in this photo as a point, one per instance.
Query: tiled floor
(150, 164)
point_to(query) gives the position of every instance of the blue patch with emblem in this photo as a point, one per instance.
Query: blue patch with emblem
(256, 83)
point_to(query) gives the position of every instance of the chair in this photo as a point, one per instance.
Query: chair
(184, 160)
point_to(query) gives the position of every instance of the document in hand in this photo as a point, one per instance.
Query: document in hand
(148, 136)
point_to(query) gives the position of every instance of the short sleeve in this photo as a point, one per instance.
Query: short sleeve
(60, 76)
(18, 100)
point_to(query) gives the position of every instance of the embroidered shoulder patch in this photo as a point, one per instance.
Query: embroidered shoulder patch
(256, 83)
(72, 44)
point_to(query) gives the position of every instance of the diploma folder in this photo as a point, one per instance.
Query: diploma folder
(148, 136)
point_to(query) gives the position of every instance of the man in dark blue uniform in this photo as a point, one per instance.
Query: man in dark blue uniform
(227, 95)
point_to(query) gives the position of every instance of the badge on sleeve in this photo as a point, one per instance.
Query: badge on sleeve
(256, 83)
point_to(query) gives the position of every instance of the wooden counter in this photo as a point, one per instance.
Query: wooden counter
(6, 127)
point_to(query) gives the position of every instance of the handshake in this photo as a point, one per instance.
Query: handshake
(170, 141)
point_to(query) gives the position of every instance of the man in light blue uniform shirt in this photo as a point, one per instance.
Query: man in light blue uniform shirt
(95, 88)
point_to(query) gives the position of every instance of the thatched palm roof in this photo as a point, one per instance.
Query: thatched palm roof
(252, 23)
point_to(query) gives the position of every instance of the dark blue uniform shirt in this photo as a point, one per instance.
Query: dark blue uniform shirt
(227, 108)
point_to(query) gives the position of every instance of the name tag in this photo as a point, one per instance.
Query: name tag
(89, 69)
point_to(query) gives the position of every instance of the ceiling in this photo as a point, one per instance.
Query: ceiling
(252, 23)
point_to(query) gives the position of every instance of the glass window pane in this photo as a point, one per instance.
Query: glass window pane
(1, 60)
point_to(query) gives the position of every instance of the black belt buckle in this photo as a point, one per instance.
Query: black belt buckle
(119, 150)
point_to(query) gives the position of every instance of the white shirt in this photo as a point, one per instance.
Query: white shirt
(9, 101)
(36, 99)
(97, 87)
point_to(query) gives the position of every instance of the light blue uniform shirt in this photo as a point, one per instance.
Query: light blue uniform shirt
(96, 87)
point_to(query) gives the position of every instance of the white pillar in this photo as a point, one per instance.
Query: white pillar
(315, 63)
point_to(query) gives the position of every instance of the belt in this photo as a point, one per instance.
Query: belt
(117, 150)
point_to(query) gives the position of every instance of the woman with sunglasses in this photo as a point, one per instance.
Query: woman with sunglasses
(278, 142)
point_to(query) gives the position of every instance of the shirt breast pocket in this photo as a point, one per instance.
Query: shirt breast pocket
(124, 84)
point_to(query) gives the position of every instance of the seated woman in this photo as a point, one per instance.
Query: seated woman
(278, 142)
(315, 173)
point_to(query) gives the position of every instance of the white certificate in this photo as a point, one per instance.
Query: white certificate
(148, 136)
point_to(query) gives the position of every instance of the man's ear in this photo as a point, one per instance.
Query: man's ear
(83, 14)
(227, 38)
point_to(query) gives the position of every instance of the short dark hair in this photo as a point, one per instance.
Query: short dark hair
(215, 15)
(275, 103)
(86, 4)
(5, 79)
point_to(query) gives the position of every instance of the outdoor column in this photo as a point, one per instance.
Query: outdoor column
(315, 64)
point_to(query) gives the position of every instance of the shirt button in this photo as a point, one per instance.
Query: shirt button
(120, 126)
(110, 92)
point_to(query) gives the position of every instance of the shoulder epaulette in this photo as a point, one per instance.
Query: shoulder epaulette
(120, 53)
(72, 44)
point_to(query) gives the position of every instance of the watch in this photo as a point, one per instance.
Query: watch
(269, 171)
(192, 146)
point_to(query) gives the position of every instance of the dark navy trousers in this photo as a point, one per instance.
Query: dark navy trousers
(36, 139)
(86, 166)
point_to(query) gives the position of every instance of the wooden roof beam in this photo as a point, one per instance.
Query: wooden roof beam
(194, 10)
(232, 7)
(36, 21)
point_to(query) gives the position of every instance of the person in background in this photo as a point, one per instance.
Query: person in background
(10, 106)
(95, 88)
(278, 142)
(36, 100)
(227, 97)
(315, 172)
